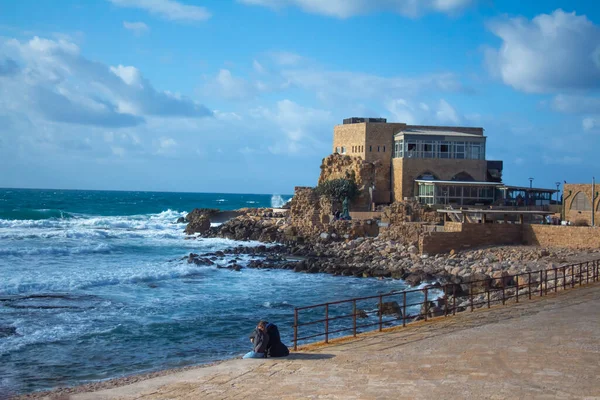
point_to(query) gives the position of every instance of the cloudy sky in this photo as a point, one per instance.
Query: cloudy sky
(242, 95)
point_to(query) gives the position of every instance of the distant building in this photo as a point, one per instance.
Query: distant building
(434, 164)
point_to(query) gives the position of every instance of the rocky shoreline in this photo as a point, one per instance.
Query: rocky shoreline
(379, 257)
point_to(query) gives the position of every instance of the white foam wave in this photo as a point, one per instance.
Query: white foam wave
(101, 248)
(277, 201)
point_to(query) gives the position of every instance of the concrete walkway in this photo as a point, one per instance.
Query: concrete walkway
(544, 349)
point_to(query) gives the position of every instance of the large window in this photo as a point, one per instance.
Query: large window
(412, 148)
(433, 193)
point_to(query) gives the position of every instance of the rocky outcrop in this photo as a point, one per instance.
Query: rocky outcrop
(363, 173)
(199, 212)
(198, 224)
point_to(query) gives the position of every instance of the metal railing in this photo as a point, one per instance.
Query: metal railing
(451, 298)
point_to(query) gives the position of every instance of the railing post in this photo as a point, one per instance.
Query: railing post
(517, 290)
(580, 274)
(529, 285)
(380, 313)
(426, 304)
(471, 294)
(327, 323)
(446, 300)
(295, 329)
(564, 277)
(454, 299)
(541, 283)
(572, 275)
(354, 317)
(587, 272)
(555, 279)
(404, 308)
(546, 282)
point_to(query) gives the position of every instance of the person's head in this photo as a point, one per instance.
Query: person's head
(262, 325)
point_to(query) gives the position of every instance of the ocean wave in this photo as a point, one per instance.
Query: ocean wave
(34, 214)
(101, 248)
(134, 222)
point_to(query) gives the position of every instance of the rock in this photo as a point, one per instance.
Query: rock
(324, 236)
(361, 314)
(413, 249)
(200, 224)
(390, 308)
(181, 220)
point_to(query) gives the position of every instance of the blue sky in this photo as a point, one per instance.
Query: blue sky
(242, 95)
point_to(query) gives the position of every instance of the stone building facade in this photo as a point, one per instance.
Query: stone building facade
(416, 159)
(578, 204)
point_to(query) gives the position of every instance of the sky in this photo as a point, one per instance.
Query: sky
(241, 96)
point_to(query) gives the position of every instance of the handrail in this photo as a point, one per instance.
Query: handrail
(519, 286)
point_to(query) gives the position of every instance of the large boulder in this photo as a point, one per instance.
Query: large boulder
(199, 224)
(201, 212)
(390, 308)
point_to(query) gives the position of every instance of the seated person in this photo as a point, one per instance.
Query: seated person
(259, 339)
(275, 348)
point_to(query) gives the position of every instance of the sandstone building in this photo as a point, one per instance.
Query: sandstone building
(434, 164)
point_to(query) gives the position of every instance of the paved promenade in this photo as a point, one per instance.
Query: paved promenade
(540, 349)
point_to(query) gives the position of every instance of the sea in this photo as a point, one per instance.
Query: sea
(95, 285)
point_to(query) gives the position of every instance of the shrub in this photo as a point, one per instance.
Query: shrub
(338, 189)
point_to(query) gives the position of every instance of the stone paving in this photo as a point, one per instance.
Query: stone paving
(544, 348)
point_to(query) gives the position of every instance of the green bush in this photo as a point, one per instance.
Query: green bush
(338, 189)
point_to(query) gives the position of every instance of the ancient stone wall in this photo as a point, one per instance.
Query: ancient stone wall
(576, 237)
(470, 235)
(409, 211)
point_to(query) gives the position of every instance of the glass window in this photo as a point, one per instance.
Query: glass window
(459, 150)
(343, 150)
(427, 149)
(444, 150)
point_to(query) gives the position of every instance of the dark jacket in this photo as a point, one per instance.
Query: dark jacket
(275, 348)
(260, 341)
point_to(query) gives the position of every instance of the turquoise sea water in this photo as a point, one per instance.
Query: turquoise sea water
(93, 286)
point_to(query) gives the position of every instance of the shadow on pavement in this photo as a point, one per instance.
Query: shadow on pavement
(308, 356)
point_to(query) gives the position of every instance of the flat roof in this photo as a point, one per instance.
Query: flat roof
(462, 183)
(426, 132)
(484, 211)
(528, 189)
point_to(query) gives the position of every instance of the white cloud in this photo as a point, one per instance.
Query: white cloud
(576, 104)
(350, 8)
(258, 67)
(285, 58)
(61, 85)
(559, 51)
(446, 113)
(303, 128)
(138, 28)
(357, 85)
(590, 123)
(227, 86)
(402, 110)
(168, 9)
